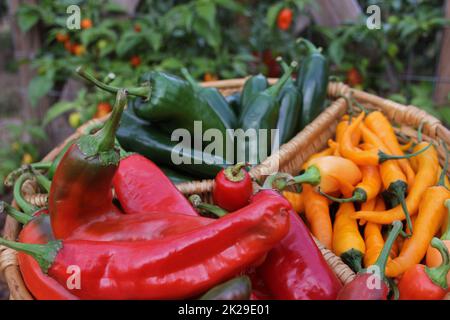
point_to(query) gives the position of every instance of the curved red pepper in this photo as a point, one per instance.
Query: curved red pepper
(179, 266)
(141, 186)
(373, 285)
(38, 231)
(81, 189)
(424, 283)
(233, 188)
(295, 268)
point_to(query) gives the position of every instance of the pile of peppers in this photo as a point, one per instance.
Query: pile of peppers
(147, 241)
(164, 102)
(369, 185)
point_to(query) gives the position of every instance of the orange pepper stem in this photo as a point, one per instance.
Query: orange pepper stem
(310, 176)
(419, 131)
(143, 92)
(398, 189)
(438, 275)
(446, 234)
(359, 195)
(44, 254)
(21, 217)
(197, 203)
(384, 156)
(360, 106)
(353, 258)
(445, 168)
(383, 257)
(281, 181)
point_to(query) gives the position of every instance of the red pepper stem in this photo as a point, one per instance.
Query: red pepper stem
(446, 234)
(106, 136)
(438, 275)
(276, 88)
(197, 203)
(21, 217)
(445, 168)
(186, 74)
(383, 257)
(359, 195)
(384, 156)
(17, 193)
(44, 254)
(235, 173)
(143, 92)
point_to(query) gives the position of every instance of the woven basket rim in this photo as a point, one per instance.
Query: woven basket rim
(410, 116)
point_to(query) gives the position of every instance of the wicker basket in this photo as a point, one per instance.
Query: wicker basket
(289, 159)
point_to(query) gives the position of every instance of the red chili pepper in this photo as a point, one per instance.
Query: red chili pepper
(103, 108)
(233, 187)
(370, 283)
(354, 78)
(141, 186)
(423, 283)
(135, 61)
(295, 268)
(284, 19)
(179, 266)
(137, 27)
(82, 185)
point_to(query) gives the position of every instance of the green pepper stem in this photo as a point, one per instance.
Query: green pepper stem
(281, 181)
(142, 92)
(197, 203)
(445, 168)
(398, 189)
(419, 131)
(446, 234)
(384, 156)
(235, 173)
(283, 64)
(106, 135)
(309, 45)
(43, 181)
(21, 217)
(438, 275)
(187, 75)
(383, 257)
(276, 88)
(44, 254)
(12, 176)
(310, 176)
(359, 195)
(17, 193)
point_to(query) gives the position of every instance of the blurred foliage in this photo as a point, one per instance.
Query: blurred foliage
(219, 39)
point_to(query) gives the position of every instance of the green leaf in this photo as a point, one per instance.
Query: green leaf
(171, 64)
(232, 6)
(37, 132)
(90, 35)
(27, 17)
(127, 42)
(39, 87)
(336, 52)
(272, 14)
(154, 39)
(206, 11)
(56, 110)
(445, 114)
(114, 7)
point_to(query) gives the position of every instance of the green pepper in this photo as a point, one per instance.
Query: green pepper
(169, 101)
(290, 110)
(312, 82)
(234, 101)
(238, 288)
(253, 85)
(138, 135)
(215, 100)
(261, 113)
(175, 176)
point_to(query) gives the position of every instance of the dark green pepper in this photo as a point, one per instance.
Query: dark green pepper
(215, 100)
(234, 101)
(312, 82)
(261, 113)
(175, 176)
(253, 85)
(138, 135)
(238, 288)
(290, 110)
(169, 101)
